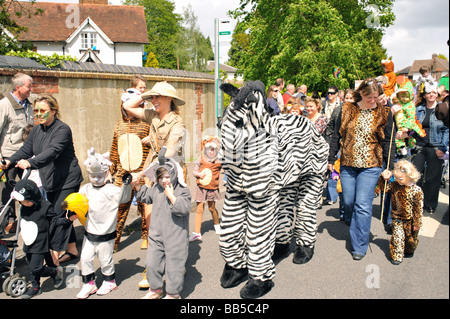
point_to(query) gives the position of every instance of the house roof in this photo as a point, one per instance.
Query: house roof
(122, 24)
(13, 62)
(404, 70)
(211, 66)
(435, 64)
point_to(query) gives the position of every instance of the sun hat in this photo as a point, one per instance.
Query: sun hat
(164, 89)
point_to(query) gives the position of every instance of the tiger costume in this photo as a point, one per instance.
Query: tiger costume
(140, 128)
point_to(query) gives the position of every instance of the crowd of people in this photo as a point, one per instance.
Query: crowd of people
(365, 129)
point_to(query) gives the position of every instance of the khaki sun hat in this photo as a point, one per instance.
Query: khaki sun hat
(164, 89)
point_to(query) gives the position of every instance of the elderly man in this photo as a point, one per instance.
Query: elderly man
(16, 112)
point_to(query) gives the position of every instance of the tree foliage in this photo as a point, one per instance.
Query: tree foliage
(194, 50)
(304, 41)
(163, 28)
(10, 27)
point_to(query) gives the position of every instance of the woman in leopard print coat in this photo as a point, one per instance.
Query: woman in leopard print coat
(363, 134)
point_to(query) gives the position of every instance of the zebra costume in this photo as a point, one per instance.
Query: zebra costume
(270, 162)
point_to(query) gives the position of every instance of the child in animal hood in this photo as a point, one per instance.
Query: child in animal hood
(405, 118)
(38, 216)
(100, 227)
(168, 243)
(406, 210)
(207, 173)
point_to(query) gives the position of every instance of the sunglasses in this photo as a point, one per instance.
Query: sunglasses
(331, 93)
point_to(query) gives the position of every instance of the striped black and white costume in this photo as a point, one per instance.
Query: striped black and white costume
(272, 164)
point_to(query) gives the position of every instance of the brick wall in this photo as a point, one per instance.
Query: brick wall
(90, 105)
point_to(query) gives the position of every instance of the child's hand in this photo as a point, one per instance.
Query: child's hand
(415, 228)
(387, 174)
(169, 190)
(71, 217)
(169, 193)
(201, 175)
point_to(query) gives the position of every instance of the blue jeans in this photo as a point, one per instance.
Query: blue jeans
(332, 193)
(358, 188)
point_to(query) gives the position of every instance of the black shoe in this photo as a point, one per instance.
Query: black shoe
(232, 277)
(280, 251)
(430, 210)
(357, 256)
(256, 288)
(302, 254)
(388, 229)
(31, 292)
(409, 255)
(59, 277)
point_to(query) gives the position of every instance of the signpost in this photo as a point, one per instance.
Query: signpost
(222, 33)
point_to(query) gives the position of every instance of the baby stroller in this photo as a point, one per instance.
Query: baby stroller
(12, 283)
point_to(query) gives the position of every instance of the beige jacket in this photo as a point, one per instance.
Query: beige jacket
(12, 122)
(170, 132)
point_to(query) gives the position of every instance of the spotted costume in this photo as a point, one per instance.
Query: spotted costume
(406, 211)
(406, 118)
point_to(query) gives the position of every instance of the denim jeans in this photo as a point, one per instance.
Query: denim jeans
(332, 193)
(358, 188)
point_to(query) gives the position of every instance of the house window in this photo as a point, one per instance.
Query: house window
(88, 40)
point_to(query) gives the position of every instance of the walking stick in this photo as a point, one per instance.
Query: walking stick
(387, 166)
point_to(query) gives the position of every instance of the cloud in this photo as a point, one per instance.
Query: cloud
(421, 28)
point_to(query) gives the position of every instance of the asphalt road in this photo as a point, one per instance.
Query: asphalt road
(332, 273)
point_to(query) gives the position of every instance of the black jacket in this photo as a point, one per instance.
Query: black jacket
(54, 154)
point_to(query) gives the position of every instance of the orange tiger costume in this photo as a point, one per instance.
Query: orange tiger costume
(141, 129)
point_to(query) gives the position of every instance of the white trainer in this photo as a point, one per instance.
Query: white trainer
(87, 290)
(195, 236)
(107, 287)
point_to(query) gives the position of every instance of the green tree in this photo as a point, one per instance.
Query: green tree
(10, 27)
(194, 50)
(163, 26)
(303, 41)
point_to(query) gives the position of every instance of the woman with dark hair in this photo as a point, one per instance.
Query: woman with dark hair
(431, 148)
(363, 135)
(49, 148)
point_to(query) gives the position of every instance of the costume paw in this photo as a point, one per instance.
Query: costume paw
(232, 277)
(255, 288)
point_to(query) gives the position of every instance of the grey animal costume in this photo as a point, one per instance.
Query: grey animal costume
(168, 241)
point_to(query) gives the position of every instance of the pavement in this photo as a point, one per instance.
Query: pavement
(331, 274)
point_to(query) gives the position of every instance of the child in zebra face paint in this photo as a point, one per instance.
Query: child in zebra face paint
(207, 173)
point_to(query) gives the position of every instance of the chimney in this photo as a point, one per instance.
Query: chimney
(93, 2)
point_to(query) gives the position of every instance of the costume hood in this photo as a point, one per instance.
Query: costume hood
(406, 87)
(209, 142)
(26, 189)
(174, 169)
(126, 95)
(97, 163)
(388, 64)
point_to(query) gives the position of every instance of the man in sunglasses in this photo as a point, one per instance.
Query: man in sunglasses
(16, 112)
(331, 102)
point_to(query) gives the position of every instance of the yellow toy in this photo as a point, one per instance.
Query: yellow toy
(77, 203)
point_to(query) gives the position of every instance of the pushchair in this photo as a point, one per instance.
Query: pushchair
(12, 283)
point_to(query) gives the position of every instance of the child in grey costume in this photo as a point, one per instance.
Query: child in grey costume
(167, 251)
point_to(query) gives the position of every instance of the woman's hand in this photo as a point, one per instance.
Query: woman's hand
(23, 164)
(330, 167)
(146, 140)
(6, 165)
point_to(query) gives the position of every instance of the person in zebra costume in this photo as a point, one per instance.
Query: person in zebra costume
(272, 164)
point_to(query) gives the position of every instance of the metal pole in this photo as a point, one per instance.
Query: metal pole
(216, 66)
